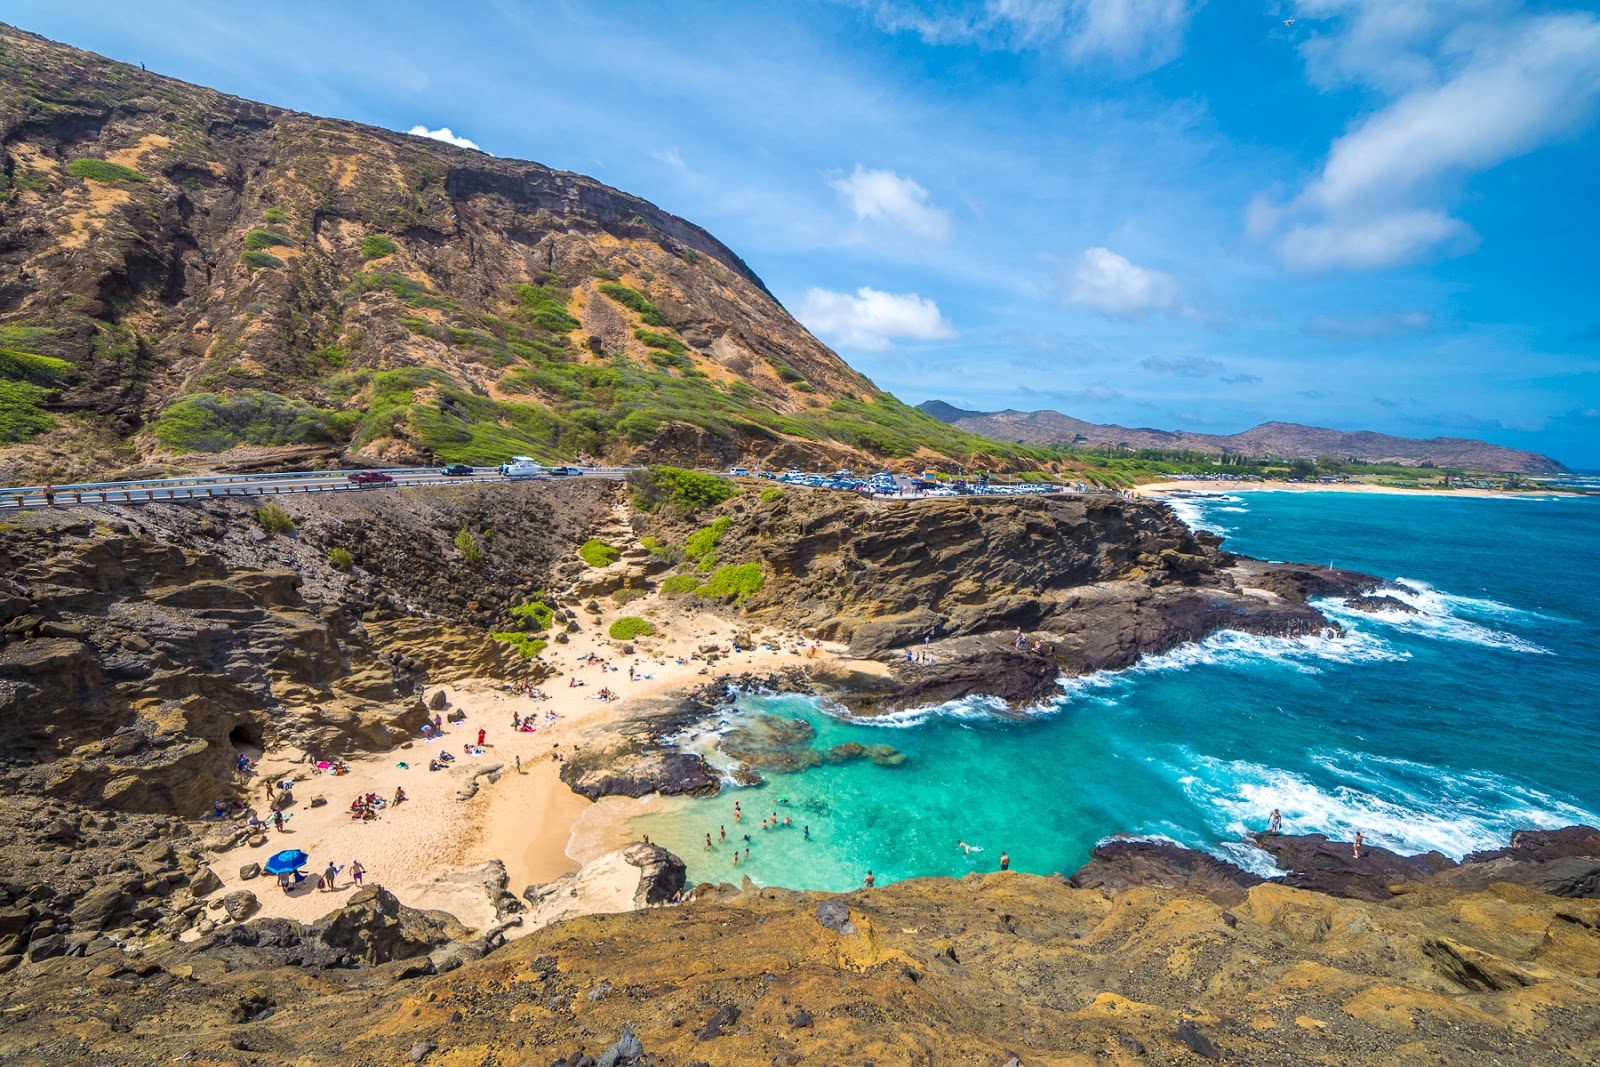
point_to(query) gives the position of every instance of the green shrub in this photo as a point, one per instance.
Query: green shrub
(736, 580)
(377, 245)
(707, 562)
(21, 413)
(606, 274)
(701, 542)
(771, 493)
(662, 550)
(341, 559)
(274, 519)
(28, 367)
(467, 545)
(545, 305)
(528, 646)
(788, 374)
(535, 616)
(679, 584)
(630, 626)
(333, 356)
(637, 301)
(266, 239)
(273, 215)
(597, 553)
(673, 487)
(257, 260)
(206, 422)
(101, 171)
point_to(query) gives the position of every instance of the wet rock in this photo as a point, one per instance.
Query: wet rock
(1315, 862)
(1116, 866)
(632, 774)
(1380, 604)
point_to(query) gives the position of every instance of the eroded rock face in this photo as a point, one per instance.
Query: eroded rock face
(638, 774)
(635, 877)
(177, 663)
(989, 970)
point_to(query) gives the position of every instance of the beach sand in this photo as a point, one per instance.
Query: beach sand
(527, 820)
(1160, 490)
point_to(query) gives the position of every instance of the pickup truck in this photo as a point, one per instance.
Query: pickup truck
(365, 478)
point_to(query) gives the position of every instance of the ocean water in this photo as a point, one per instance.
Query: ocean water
(1443, 730)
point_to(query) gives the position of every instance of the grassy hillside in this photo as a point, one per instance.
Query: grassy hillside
(196, 280)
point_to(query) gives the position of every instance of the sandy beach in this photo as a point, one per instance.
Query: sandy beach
(523, 816)
(1163, 489)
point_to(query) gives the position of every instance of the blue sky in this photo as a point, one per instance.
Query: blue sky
(1379, 215)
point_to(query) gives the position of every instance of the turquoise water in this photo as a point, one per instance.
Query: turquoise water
(1445, 730)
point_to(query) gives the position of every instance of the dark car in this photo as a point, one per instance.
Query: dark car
(371, 478)
(458, 470)
(566, 472)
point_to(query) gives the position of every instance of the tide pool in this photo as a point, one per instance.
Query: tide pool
(1446, 729)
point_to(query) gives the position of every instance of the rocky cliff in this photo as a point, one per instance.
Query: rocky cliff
(1004, 969)
(190, 279)
(1100, 579)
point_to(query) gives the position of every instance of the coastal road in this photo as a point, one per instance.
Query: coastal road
(214, 486)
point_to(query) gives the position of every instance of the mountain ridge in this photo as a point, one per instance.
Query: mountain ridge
(186, 276)
(1276, 439)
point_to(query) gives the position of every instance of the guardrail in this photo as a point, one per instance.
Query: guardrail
(213, 486)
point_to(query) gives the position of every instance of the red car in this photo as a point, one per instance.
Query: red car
(371, 478)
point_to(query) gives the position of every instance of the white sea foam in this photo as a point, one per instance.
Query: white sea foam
(971, 709)
(1440, 615)
(1426, 808)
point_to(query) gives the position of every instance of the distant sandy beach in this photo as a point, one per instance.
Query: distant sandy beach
(1163, 489)
(530, 820)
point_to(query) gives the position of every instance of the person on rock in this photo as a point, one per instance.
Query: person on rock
(1005, 861)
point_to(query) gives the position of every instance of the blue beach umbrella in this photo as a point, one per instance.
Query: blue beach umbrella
(287, 861)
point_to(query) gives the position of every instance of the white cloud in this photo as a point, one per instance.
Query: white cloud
(884, 196)
(1466, 97)
(1138, 33)
(871, 320)
(1371, 243)
(1112, 285)
(671, 158)
(445, 134)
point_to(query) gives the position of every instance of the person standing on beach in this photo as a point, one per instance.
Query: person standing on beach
(331, 875)
(481, 735)
(356, 871)
(519, 764)
(1277, 821)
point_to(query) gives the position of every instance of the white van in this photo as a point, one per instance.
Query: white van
(523, 467)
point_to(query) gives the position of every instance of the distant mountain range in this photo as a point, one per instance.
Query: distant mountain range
(1285, 440)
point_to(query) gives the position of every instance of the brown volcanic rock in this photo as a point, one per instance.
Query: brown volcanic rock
(1117, 866)
(971, 973)
(1315, 862)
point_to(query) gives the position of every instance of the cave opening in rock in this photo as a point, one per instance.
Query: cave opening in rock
(245, 735)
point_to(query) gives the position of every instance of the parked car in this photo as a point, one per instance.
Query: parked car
(767, 474)
(458, 470)
(739, 472)
(371, 478)
(565, 472)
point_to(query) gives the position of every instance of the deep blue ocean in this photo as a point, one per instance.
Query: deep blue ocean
(1447, 730)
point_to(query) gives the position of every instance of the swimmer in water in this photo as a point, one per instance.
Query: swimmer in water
(969, 849)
